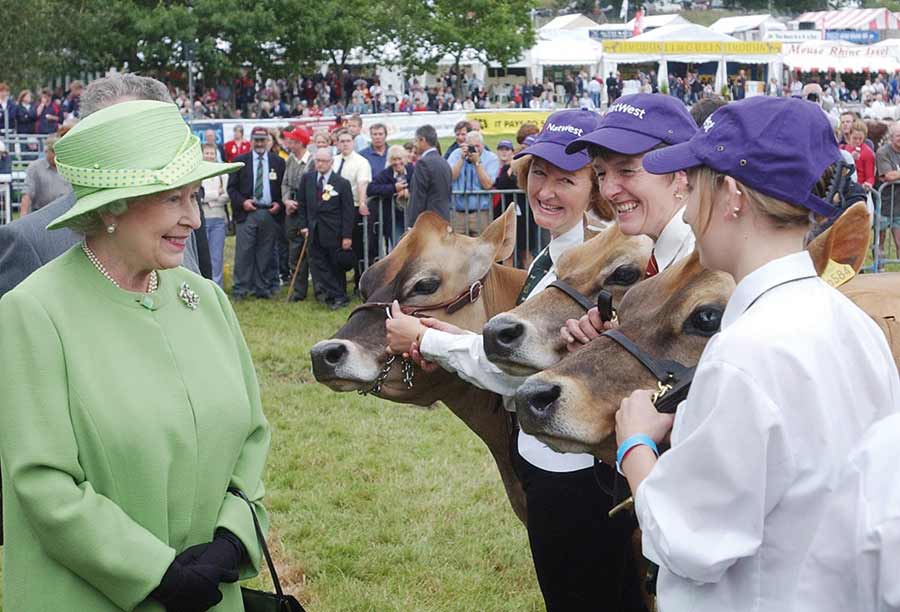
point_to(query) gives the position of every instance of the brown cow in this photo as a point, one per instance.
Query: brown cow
(526, 339)
(671, 316)
(431, 265)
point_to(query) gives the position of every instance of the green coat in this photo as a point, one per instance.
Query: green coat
(121, 427)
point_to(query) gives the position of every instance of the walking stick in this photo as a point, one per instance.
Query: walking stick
(296, 269)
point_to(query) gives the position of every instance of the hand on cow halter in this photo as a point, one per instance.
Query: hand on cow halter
(578, 332)
(638, 415)
(404, 334)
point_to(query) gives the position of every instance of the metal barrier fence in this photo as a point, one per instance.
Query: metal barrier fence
(887, 217)
(387, 222)
(22, 149)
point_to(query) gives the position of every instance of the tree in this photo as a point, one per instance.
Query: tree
(488, 30)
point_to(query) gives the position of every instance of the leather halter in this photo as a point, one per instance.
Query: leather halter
(672, 378)
(604, 299)
(469, 296)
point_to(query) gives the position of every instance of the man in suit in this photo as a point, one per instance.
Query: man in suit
(26, 244)
(326, 215)
(430, 186)
(256, 205)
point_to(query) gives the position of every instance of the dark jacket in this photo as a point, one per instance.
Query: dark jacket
(26, 118)
(12, 114)
(429, 188)
(384, 184)
(240, 185)
(330, 220)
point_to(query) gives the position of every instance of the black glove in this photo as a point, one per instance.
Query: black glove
(192, 587)
(225, 551)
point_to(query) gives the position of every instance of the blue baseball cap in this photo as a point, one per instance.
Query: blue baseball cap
(560, 129)
(505, 144)
(778, 146)
(635, 124)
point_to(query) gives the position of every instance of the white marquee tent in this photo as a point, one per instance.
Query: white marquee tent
(842, 56)
(687, 34)
(853, 19)
(748, 27)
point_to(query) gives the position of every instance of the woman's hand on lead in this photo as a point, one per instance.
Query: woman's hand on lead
(638, 415)
(401, 330)
(578, 332)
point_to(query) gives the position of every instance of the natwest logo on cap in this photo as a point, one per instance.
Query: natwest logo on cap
(571, 129)
(627, 108)
(708, 124)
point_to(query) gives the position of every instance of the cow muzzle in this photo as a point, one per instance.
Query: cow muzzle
(343, 365)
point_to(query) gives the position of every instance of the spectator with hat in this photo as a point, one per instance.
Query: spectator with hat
(760, 440)
(256, 203)
(645, 204)
(130, 401)
(298, 163)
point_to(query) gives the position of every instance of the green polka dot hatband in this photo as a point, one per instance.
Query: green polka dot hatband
(129, 150)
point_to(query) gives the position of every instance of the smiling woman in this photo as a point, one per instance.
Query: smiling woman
(117, 450)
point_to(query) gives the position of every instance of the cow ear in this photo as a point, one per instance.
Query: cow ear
(501, 234)
(845, 242)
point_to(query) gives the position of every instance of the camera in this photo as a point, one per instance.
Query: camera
(813, 97)
(472, 149)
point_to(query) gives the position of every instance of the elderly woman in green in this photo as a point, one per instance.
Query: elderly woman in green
(129, 401)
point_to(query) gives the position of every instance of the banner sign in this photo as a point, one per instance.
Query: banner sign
(696, 48)
(792, 36)
(835, 51)
(862, 37)
(508, 122)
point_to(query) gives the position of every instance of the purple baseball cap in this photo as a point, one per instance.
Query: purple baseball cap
(560, 129)
(635, 124)
(505, 144)
(778, 146)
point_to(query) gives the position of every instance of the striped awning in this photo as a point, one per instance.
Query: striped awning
(853, 19)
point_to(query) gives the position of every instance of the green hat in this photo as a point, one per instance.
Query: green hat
(128, 150)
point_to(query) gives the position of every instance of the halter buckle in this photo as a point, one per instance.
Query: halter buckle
(662, 389)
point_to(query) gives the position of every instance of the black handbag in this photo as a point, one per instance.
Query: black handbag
(263, 601)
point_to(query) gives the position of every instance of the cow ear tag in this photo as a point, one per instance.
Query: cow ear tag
(836, 274)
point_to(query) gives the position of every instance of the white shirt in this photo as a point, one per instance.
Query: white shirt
(675, 241)
(464, 355)
(854, 560)
(779, 398)
(355, 169)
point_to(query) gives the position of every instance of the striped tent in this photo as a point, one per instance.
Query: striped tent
(853, 19)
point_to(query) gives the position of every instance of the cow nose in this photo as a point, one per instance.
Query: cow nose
(503, 335)
(326, 357)
(538, 398)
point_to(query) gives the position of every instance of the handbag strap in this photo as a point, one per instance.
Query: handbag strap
(262, 540)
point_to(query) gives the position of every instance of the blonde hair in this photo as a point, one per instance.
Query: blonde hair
(778, 213)
(597, 204)
(397, 151)
(860, 126)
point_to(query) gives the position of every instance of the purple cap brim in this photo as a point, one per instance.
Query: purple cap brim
(556, 155)
(671, 159)
(624, 142)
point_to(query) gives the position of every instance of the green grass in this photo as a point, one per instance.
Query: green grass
(375, 505)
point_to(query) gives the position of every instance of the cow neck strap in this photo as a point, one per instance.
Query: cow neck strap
(573, 293)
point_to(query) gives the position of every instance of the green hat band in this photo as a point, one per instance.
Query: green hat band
(187, 159)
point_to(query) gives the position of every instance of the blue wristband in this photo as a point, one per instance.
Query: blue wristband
(629, 443)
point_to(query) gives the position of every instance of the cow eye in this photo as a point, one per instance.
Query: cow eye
(426, 286)
(624, 275)
(705, 321)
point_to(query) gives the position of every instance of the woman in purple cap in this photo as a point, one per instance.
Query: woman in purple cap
(730, 511)
(580, 556)
(645, 204)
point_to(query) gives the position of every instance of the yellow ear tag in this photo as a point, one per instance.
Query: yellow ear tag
(836, 274)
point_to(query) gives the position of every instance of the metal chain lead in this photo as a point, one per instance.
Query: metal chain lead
(378, 383)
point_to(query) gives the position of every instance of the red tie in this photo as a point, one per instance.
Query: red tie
(652, 266)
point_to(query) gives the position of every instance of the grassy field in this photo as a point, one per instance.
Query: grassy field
(374, 505)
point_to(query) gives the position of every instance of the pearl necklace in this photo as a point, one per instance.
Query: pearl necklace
(152, 285)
